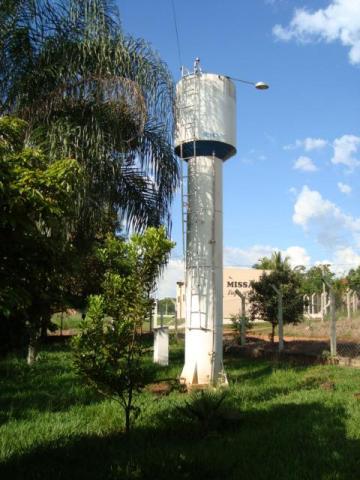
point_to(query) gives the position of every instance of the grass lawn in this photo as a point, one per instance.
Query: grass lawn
(295, 423)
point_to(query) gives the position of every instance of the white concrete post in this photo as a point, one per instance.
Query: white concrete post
(155, 313)
(306, 304)
(243, 317)
(348, 304)
(333, 324)
(354, 302)
(324, 300)
(306, 300)
(332, 319)
(313, 296)
(325, 304)
(280, 317)
(161, 345)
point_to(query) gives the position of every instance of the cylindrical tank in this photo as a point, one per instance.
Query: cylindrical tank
(206, 112)
(205, 137)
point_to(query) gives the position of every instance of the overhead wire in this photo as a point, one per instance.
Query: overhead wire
(176, 33)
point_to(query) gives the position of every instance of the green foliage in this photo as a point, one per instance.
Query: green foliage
(237, 323)
(91, 93)
(166, 306)
(207, 408)
(275, 262)
(37, 204)
(109, 350)
(264, 301)
(353, 280)
(312, 279)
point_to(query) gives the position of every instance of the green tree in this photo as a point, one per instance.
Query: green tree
(109, 351)
(275, 262)
(264, 301)
(92, 93)
(353, 279)
(37, 204)
(312, 279)
(166, 306)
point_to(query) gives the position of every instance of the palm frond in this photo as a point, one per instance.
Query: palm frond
(90, 92)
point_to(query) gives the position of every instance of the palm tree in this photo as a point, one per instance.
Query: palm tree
(275, 262)
(92, 93)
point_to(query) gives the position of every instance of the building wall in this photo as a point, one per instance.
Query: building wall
(233, 278)
(237, 278)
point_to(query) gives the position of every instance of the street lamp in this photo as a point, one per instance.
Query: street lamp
(257, 85)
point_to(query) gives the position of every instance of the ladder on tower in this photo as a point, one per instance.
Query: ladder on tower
(190, 110)
(191, 105)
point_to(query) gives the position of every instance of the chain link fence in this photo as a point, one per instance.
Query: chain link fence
(336, 318)
(330, 328)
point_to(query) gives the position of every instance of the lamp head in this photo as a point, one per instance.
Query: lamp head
(261, 86)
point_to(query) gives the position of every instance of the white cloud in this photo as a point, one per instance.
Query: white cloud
(345, 149)
(305, 164)
(246, 257)
(339, 21)
(344, 188)
(314, 144)
(332, 227)
(308, 144)
(234, 256)
(297, 256)
(344, 259)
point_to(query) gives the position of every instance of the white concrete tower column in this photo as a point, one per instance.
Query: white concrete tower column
(204, 262)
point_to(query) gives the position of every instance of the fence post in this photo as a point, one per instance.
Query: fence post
(332, 319)
(354, 303)
(324, 298)
(155, 315)
(242, 318)
(333, 324)
(280, 317)
(348, 304)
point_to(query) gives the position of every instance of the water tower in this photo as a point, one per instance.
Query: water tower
(205, 137)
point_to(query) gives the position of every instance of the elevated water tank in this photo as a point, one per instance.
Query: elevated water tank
(206, 116)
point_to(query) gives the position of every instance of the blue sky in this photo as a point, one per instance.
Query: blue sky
(294, 182)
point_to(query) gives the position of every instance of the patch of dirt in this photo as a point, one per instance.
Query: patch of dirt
(328, 386)
(160, 389)
(65, 333)
(300, 349)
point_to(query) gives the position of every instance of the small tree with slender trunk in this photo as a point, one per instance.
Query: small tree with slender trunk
(109, 350)
(264, 301)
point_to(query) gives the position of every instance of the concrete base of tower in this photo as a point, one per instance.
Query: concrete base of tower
(203, 366)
